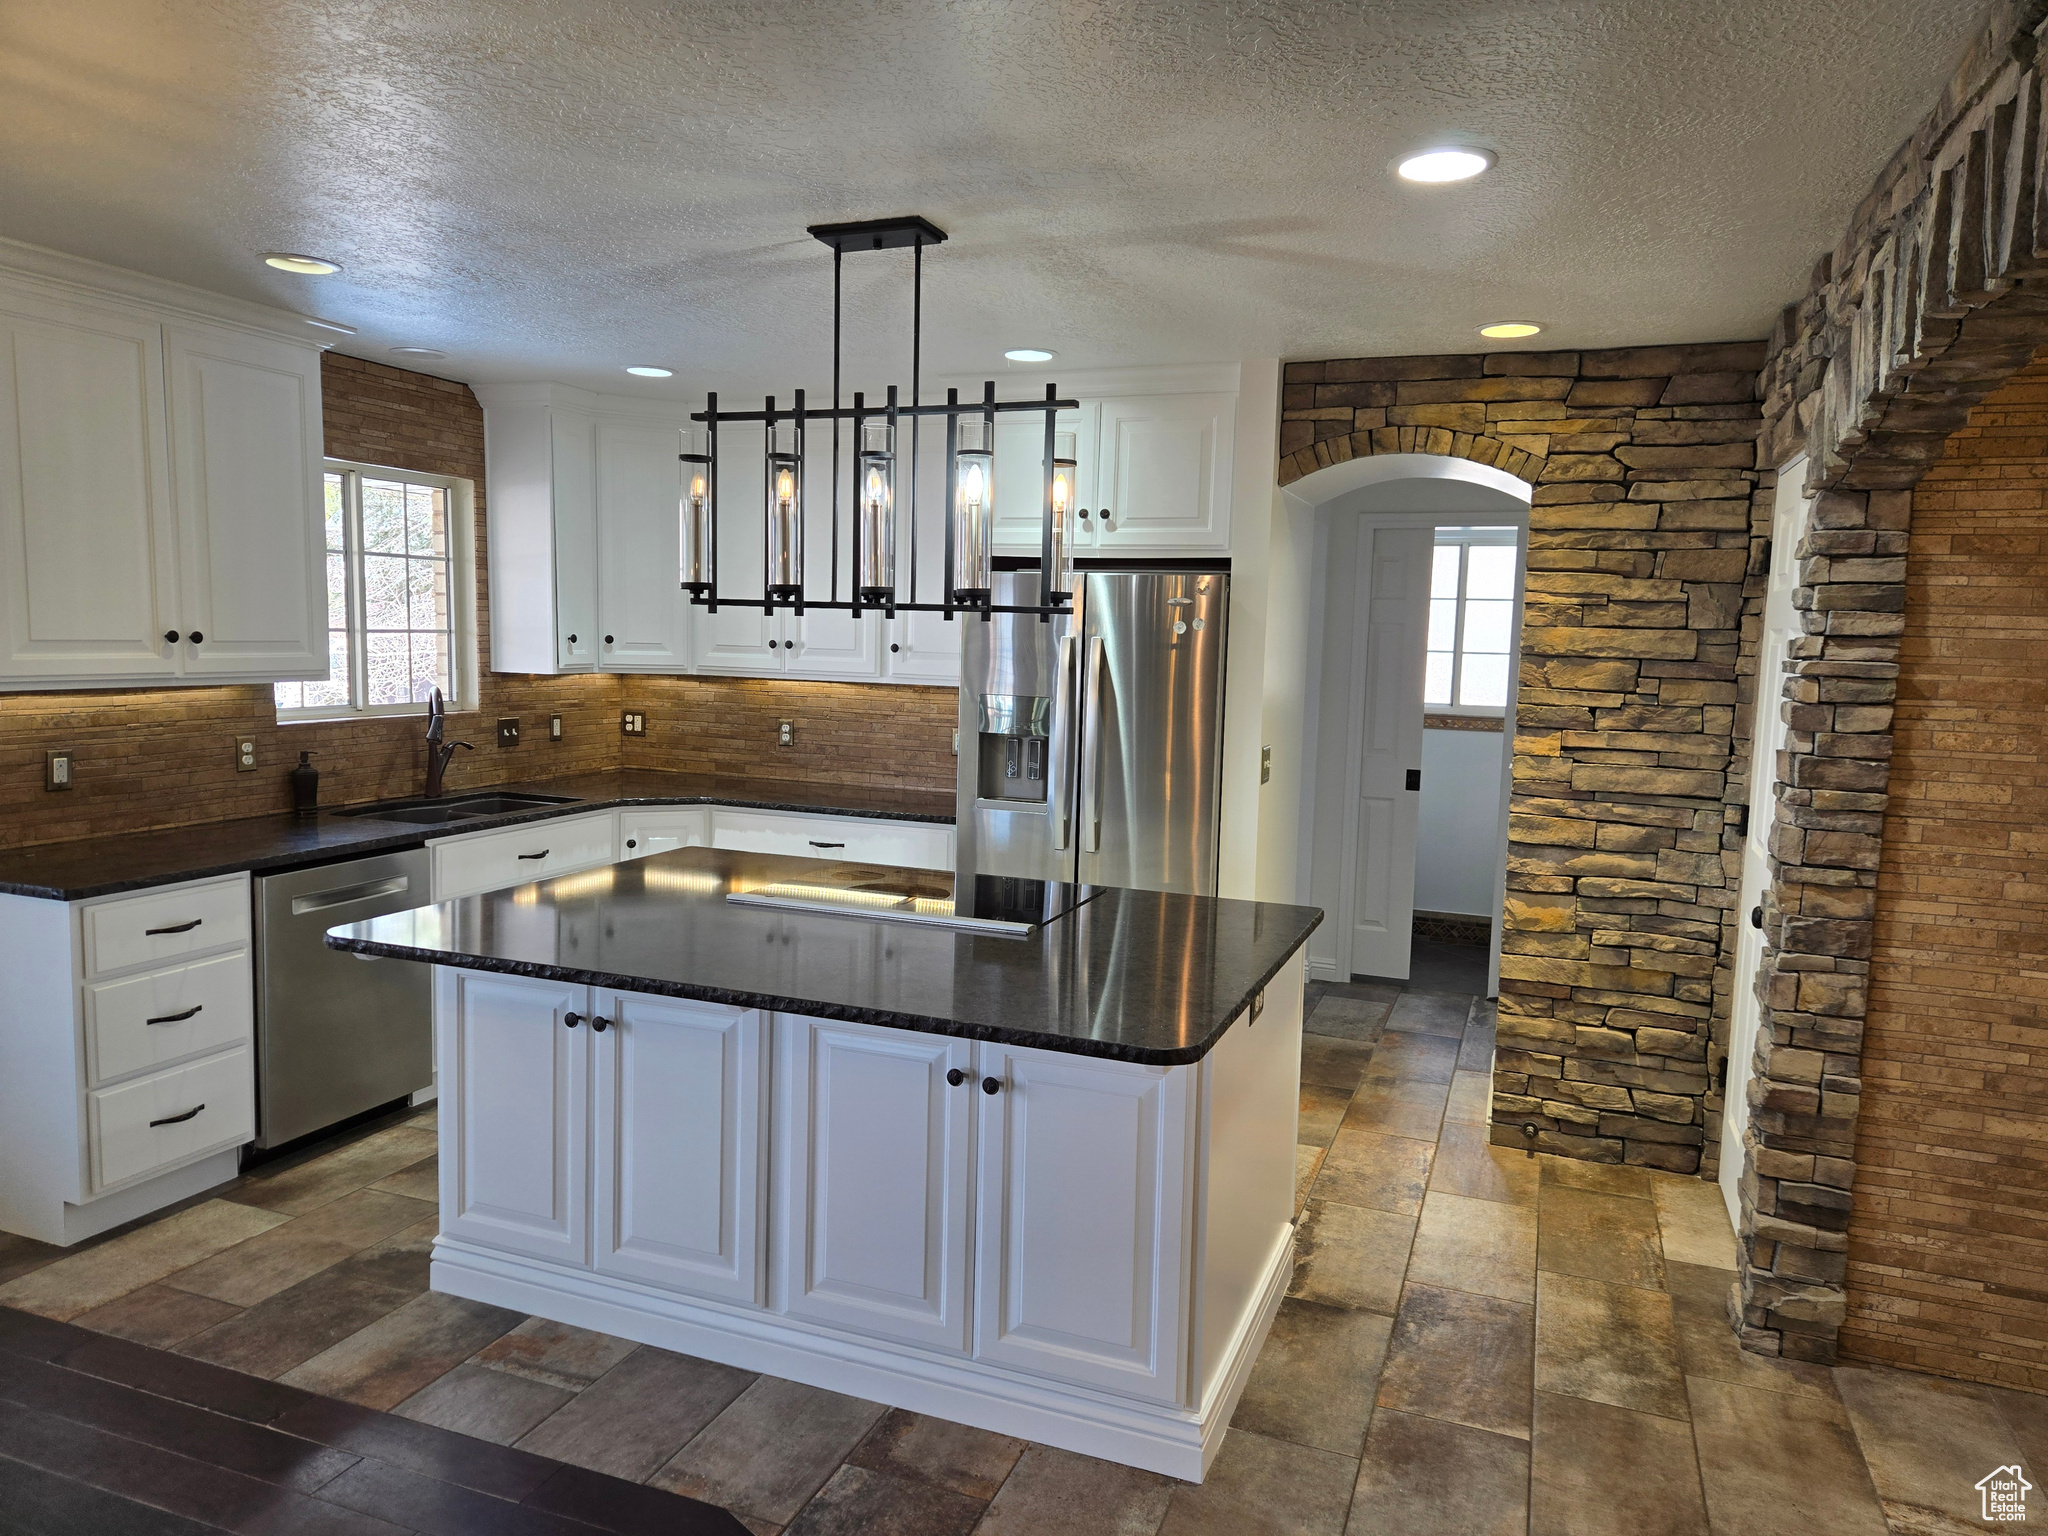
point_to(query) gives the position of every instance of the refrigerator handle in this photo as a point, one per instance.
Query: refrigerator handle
(1062, 744)
(1091, 748)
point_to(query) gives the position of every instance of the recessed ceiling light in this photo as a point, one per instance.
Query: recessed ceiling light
(1029, 355)
(1436, 165)
(305, 266)
(427, 352)
(1510, 330)
(648, 371)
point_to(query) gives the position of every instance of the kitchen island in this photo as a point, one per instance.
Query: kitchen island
(1039, 1184)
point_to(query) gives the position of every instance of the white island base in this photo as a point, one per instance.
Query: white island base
(1089, 1255)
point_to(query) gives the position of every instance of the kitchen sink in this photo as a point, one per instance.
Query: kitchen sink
(435, 813)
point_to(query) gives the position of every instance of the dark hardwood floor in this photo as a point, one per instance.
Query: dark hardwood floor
(103, 1437)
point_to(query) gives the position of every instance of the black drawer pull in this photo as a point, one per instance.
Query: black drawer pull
(955, 1077)
(150, 933)
(541, 855)
(572, 1019)
(177, 1119)
(991, 1085)
(176, 1018)
(599, 1024)
(827, 845)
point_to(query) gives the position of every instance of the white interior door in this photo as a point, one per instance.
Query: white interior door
(1781, 622)
(1392, 615)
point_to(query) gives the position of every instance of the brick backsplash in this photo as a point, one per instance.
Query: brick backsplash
(165, 757)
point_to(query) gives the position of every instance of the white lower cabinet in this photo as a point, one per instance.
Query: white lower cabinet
(515, 1133)
(875, 1145)
(678, 1157)
(855, 839)
(537, 850)
(653, 829)
(1083, 1220)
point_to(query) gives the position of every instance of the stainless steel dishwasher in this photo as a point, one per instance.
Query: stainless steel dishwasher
(336, 1035)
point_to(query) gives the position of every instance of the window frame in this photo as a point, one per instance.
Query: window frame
(462, 658)
(1465, 537)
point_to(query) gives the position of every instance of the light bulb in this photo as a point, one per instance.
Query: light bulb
(697, 489)
(1062, 493)
(973, 485)
(785, 488)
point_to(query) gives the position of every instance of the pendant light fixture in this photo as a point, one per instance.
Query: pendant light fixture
(882, 494)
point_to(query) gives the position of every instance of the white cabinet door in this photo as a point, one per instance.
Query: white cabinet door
(513, 1163)
(246, 453)
(831, 642)
(923, 647)
(876, 1146)
(653, 829)
(1163, 484)
(1020, 475)
(573, 476)
(738, 639)
(680, 1124)
(642, 622)
(88, 563)
(538, 850)
(1082, 1219)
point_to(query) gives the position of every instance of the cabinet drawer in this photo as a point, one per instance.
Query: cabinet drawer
(903, 844)
(491, 861)
(657, 831)
(140, 1023)
(165, 925)
(157, 1122)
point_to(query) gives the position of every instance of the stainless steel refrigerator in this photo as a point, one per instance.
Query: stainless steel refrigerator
(1091, 747)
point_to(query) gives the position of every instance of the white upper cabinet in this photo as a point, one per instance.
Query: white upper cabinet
(88, 564)
(1163, 476)
(581, 499)
(160, 514)
(1020, 476)
(641, 605)
(246, 459)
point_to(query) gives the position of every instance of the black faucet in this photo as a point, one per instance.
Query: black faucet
(437, 754)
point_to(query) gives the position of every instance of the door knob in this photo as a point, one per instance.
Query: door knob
(571, 1020)
(955, 1077)
(991, 1085)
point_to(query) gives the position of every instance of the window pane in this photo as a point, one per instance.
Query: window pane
(384, 591)
(1443, 624)
(1436, 678)
(1485, 680)
(332, 694)
(389, 662)
(335, 538)
(337, 591)
(1443, 574)
(383, 518)
(289, 695)
(429, 666)
(422, 520)
(1490, 571)
(1486, 626)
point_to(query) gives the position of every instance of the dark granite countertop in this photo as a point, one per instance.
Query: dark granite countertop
(127, 861)
(1140, 976)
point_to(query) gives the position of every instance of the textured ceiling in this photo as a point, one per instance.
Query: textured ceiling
(554, 190)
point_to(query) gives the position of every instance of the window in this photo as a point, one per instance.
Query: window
(398, 595)
(1471, 619)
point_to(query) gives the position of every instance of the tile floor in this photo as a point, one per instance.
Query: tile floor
(1476, 1340)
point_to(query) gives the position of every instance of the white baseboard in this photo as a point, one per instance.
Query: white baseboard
(1160, 1438)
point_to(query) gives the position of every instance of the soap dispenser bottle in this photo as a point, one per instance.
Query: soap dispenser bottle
(305, 786)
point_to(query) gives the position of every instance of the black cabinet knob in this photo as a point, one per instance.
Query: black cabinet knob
(789, 645)
(894, 646)
(1084, 514)
(632, 842)
(991, 1085)
(170, 637)
(571, 1020)
(1756, 917)
(607, 639)
(955, 1077)
(572, 639)
(599, 1024)
(195, 637)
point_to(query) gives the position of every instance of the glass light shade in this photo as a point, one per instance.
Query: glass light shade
(974, 506)
(693, 517)
(785, 508)
(875, 494)
(1064, 478)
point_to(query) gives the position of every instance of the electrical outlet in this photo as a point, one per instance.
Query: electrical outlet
(633, 722)
(786, 734)
(956, 741)
(1265, 765)
(554, 727)
(508, 731)
(245, 754)
(56, 770)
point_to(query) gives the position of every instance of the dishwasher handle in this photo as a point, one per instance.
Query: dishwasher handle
(342, 895)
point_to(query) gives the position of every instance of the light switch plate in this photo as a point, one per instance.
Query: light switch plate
(508, 731)
(56, 770)
(245, 754)
(633, 722)
(1265, 765)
